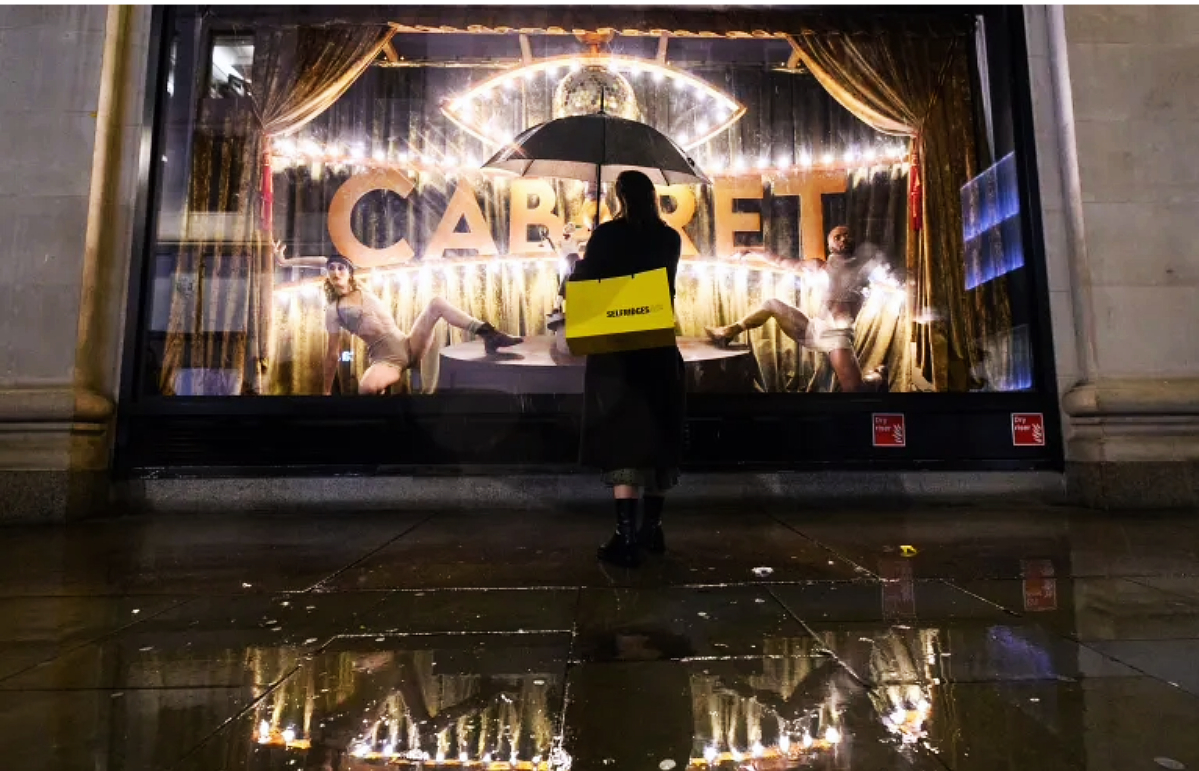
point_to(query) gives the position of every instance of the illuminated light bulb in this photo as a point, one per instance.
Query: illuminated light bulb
(851, 155)
(427, 160)
(529, 74)
(784, 743)
(357, 151)
(684, 139)
(680, 84)
(781, 162)
(289, 735)
(510, 83)
(898, 717)
(827, 159)
(871, 154)
(739, 164)
(736, 756)
(658, 76)
(285, 147)
(264, 732)
(636, 71)
(310, 148)
(440, 758)
(805, 160)
(575, 66)
(763, 163)
(702, 127)
(807, 740)
(717, 164)
(487, 758)
(403, 157)
(832, 735)
(472, 161)
(379, 156)
(450, 161)
(463, 757)
(552, 72)
(361, 750)
(710, 753)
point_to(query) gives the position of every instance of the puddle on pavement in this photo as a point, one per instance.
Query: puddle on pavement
(495, 702)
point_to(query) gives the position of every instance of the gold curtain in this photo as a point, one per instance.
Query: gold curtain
(320, 64)
(221, 302)
(916, 83)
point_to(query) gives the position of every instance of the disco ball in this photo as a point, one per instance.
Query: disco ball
(579, 94)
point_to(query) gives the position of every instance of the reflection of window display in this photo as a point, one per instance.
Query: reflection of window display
(230, 66)
(376, 155)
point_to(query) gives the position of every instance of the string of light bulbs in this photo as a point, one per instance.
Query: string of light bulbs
(335, 155)
(462, 109)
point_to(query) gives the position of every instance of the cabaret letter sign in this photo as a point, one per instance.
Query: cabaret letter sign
(533, 203)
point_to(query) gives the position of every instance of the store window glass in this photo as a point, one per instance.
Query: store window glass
(328, 224)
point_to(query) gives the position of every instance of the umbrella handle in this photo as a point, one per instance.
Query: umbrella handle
(599, 168)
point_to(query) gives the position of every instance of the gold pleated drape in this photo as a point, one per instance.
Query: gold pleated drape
(915, 82)
(219, 331)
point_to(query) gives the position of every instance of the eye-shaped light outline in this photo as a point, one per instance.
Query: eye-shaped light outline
(452, 106)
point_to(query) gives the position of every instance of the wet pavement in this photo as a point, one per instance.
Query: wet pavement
(942, 638)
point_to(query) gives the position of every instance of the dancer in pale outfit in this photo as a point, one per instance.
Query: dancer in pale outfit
(389, 351)
(832, 330)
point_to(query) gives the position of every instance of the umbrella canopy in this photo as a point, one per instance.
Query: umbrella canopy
(597, 148)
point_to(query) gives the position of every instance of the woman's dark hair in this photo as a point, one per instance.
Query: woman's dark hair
(638, 199)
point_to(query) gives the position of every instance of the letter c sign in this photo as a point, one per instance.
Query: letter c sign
(342, 207)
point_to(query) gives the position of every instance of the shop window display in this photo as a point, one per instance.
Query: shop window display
(857, 234)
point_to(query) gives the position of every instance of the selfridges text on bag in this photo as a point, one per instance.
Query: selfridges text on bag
(624, 313)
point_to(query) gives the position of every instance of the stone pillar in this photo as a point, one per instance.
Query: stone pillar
(1116, 107)
(72, 103)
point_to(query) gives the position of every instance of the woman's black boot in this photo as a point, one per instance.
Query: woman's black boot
(621, 548)
(651, 537)
(494, 340)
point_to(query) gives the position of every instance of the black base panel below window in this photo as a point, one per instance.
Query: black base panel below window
(452, 443)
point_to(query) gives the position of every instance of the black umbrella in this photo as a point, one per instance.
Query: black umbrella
(597, 147)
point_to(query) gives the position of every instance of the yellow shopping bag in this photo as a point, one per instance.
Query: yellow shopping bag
(626, 313)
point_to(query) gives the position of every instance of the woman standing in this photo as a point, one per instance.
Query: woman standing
(634, 401)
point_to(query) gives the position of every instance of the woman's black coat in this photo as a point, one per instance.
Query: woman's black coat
(634, 401)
